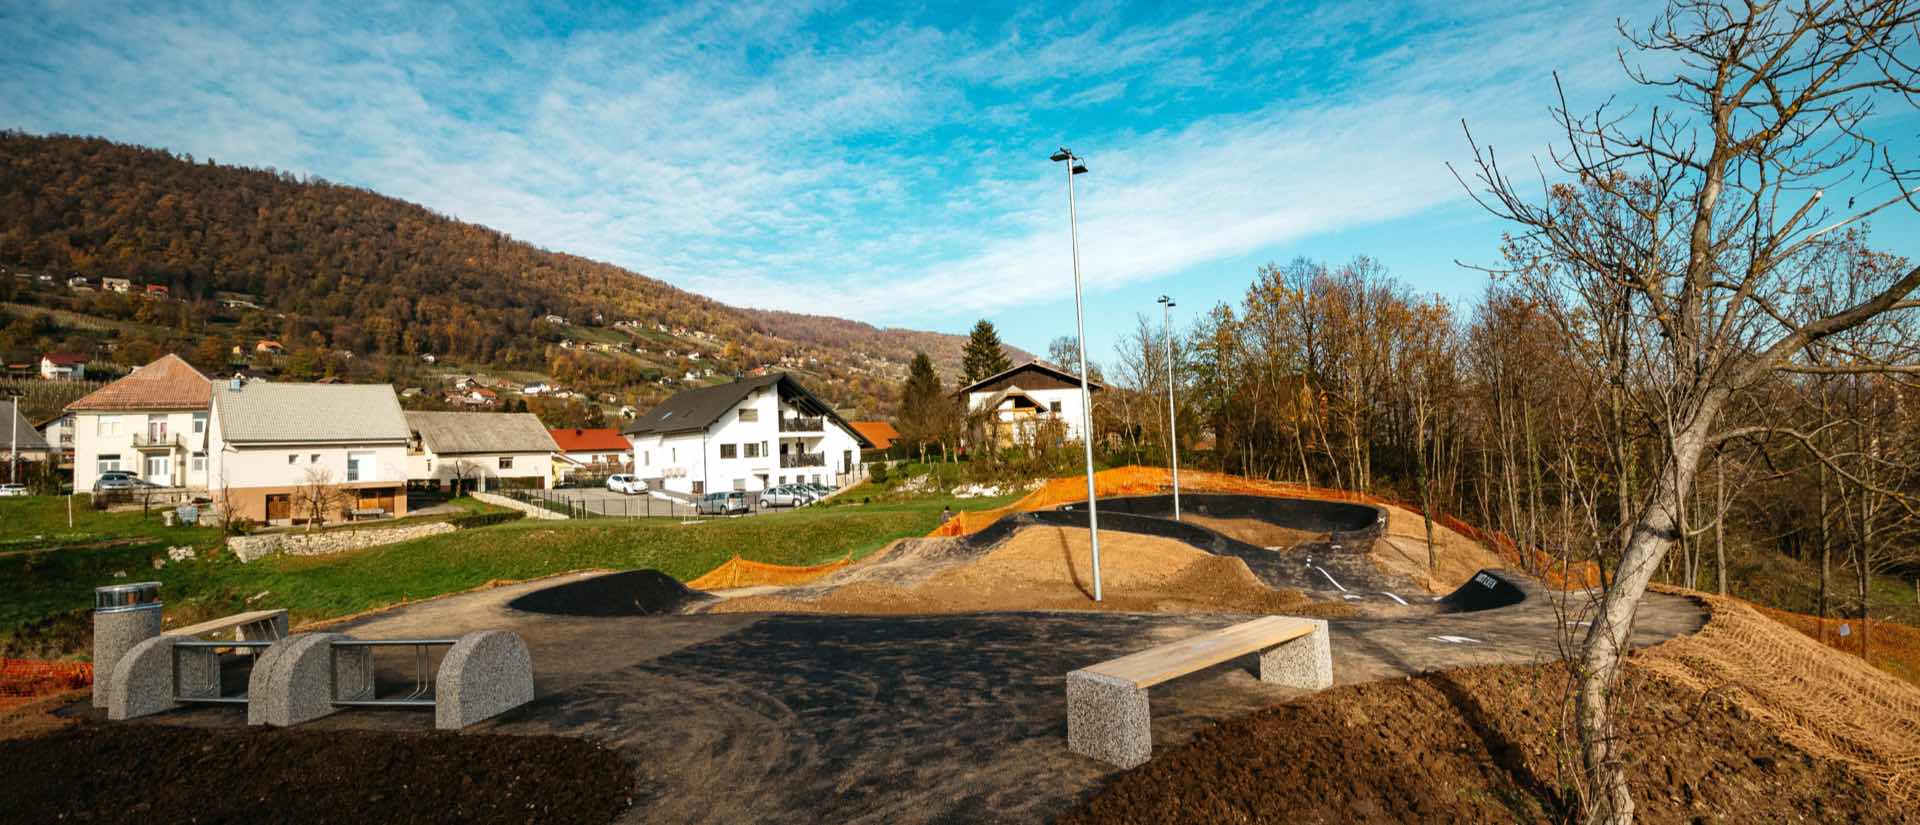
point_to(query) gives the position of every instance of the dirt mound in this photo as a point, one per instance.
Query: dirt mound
(1476, 745)
(1042, 568)
(1831, 704)
(1402, 550)
(632, 593)
(177, 774)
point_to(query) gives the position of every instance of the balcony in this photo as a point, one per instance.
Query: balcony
(158, 441)
(803, 424)
(803, 460)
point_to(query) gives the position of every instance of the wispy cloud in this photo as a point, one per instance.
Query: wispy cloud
(786, 156)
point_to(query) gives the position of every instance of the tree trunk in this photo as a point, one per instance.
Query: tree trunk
(1720, 523)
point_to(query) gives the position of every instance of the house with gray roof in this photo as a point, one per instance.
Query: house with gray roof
(482, 450)
(18, 438)
(269, 442)
(747, 435)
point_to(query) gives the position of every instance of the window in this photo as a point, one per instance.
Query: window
(646, 458)
(199, 423)
(783, 481)
(107, 425)
(740, 484)
(313, 459)
(506, 462)
(156, 428)
(754, 450)
(749, 414)
(676, 455)
(1054, 406)
(729, 451)
(107, 463)
(360, 466)
(292, 458)
(199, 462)
(699, 487)
(816, 478)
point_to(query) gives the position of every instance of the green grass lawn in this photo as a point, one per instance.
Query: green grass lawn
(47, 595)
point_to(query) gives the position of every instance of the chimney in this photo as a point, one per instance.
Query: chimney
(234, 383)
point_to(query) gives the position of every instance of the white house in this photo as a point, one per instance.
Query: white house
(152, 423)
(480, 449)
(1022, 402)
(269, 440)
(748, 435)
(63, 366)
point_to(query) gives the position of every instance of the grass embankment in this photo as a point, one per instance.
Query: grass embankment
(48, 593)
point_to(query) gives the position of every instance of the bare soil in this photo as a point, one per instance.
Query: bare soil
(157, 773)
(1049, 568)
(1402, 550)
(1253, 531)
(1476, 745)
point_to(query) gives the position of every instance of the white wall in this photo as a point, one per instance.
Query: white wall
(100, 434)
(429, 466)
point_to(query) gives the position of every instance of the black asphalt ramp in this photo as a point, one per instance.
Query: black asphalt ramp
(632, 593)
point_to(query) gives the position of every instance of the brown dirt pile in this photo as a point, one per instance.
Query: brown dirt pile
(1402, 550)
(1253, 531)
(1048, 568)
(157, 773)
(1476, 745)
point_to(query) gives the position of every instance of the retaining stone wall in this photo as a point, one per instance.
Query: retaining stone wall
(532, 510)
(248, 548)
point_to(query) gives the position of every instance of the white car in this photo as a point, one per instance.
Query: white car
(11, 490)
(630, 485)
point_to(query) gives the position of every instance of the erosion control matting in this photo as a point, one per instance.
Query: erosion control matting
(160, 774)
(632, 593)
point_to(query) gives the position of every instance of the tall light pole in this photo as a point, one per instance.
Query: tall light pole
(13, 441)
(1173, 420)
(1076, 166)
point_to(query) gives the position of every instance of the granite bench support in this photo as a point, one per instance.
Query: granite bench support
(153, 676)
(1107, 711)
(485, 673)
(299, 677)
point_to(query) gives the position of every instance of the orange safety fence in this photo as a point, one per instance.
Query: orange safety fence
(1893, 647)
(23, 679)
(1137, 480)
(739, 572)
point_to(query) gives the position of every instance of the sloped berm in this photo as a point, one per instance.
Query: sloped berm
(630, 593)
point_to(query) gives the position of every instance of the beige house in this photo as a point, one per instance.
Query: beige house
(1030, 402)
(268, 441)
(480, 450)
(152, 423)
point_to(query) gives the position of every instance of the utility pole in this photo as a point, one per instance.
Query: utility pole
(1076, 166)
(1173, 417)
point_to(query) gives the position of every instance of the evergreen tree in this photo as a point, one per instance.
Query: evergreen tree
(920, 399)
(983, 355)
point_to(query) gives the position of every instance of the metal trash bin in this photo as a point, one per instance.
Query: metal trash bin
(124, 615)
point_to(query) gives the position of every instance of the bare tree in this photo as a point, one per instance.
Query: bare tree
(318, 494)
(1705, 216)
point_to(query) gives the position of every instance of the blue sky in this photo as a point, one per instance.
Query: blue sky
(886, 162)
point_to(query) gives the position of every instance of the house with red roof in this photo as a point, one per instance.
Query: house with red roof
(594, 451)
(63, 366)
(152, 423)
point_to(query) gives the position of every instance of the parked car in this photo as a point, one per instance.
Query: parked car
(721, 504)
(787, 495)
(113, 481)
(820, 491)
(630, 485)
(11, 490)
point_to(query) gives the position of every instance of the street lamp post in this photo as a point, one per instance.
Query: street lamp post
(1173, 419)
(13, 439)
(1076, 166)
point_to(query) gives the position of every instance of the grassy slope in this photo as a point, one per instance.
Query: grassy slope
(55, 586)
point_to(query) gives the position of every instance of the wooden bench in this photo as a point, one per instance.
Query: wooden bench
(359, 513)
(1107, 715)
(253, 625)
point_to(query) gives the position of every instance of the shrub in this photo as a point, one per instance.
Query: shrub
(877, 472)
(484, 519)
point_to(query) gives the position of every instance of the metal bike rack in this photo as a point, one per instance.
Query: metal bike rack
(422, 695)
(211, 696)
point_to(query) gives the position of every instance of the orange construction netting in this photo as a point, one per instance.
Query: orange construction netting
(24, 679)
(1137, 480)
(739, 572)
(1834, 706)
(1894, 647)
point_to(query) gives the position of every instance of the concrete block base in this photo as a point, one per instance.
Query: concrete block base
(1306, 662)
(1107, 719)
(115, 633)
(142, 680)
(297, 678)
(485, 674)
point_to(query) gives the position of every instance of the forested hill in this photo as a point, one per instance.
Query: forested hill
(353, 270)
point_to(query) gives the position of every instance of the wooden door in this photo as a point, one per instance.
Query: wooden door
(279, 507)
